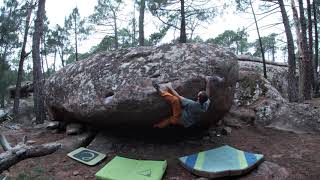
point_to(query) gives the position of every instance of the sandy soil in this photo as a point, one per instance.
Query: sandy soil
(299, 154)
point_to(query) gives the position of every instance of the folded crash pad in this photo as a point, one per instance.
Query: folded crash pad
(120, 168)
(222, 161)
(86, 156)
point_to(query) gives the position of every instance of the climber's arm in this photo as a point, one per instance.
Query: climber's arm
(208, 85)
(174, 92)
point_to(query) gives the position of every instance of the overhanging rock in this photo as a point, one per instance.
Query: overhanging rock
(115, 89)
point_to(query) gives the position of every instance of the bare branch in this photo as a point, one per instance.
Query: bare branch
(166, 23)
(21, 152)
(4, 143)
(258, 60)
(268, 11)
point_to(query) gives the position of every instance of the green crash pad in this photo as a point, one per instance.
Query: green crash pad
(86, 156)
(222, 161)
(120, 168)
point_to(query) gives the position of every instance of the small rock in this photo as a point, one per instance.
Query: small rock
(175, 178)
(73, 129)
(75, 173)
(268, 170)
(244, 114)
(226, 131)
(53, 125)
(31, 142)
(277, 156)
(232, 122)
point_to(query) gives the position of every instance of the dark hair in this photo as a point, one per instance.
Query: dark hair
(203, 97)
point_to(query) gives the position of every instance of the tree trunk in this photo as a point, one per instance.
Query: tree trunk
(260, 42)
(292, 80)
(61, 56)
(21, 151)
(76, 37)
(3, 59)
(183, 35)
(23, 55)
(54, 60)
(141, 22)
(2, 100)
(116, 43)
(134, 24)
(304, 80)
(37, 73)
(316, 40)
(273, 53)
(311, 73)
(41, 59)
(45, 51)
(316, 49)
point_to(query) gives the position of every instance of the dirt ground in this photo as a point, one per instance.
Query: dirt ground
(299, 154)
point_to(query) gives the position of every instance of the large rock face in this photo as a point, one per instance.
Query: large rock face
(256, 100)
(277, 73)
(115, 88)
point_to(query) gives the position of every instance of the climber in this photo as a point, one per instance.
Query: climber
(185, 112)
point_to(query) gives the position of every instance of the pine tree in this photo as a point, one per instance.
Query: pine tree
(23, 55)
(76, 27)
(39, 108)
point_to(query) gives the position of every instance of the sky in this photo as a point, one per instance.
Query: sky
(57, 10)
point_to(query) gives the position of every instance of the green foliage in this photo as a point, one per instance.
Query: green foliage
(37, 173)
(106, 14)
(156, 37)
(23, 176)
(58, 41)
(106, 44)
(76, 26)
(196, 11)
(268, 43)
(8, 77)
(242, 5)
(72, 58)
(11, 15)
(197, 39)
(125, 38)
(236, 41)
(39, 170)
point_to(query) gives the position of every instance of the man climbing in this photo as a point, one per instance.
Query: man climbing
(185, 112)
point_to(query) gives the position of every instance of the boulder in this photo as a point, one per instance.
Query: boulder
(3, 115)
(274, 72)
(26, 111)
(115, 88)
(257, 101)
(25, 91)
